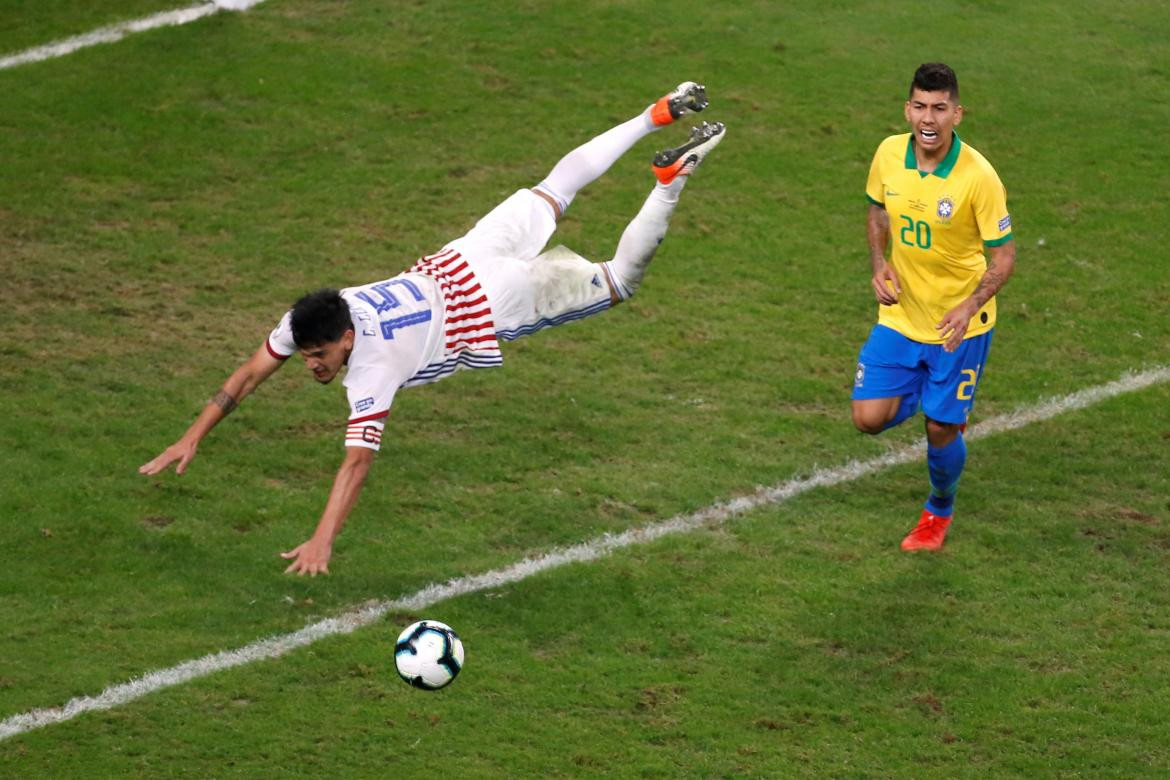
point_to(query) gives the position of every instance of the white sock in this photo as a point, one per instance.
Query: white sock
(642, 236)
(587, 162)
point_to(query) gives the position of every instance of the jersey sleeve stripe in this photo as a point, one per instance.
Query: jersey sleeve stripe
(363, 435)
(273, 352)
(998, 241)
(368, 436)
(368, 417)
(874, 202)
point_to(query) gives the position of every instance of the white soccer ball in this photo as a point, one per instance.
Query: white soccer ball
(428, 655)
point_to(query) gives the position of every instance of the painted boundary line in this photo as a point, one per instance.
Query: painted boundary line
(714, 515)
(116, 32)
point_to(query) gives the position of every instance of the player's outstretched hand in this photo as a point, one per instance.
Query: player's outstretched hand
(179, 451)
(953, 325)
(312, 558)
(885, 284)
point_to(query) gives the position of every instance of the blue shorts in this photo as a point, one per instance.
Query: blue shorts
(892, 366)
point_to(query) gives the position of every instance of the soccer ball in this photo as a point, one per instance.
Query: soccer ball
(428, 655)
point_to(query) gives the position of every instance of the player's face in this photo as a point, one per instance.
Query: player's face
(932, 117)
(326, 360)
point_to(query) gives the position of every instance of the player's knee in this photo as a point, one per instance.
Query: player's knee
(866, 421)
(555, 202)
(941, 434)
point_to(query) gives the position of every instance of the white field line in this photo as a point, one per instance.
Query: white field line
(116, 32)
(713, 515)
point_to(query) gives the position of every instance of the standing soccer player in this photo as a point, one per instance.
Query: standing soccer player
(451, 309)
(940, 209)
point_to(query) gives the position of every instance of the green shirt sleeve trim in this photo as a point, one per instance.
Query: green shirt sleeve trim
(874, 202)
(999, 241)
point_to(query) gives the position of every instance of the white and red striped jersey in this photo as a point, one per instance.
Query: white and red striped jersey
(412, 329)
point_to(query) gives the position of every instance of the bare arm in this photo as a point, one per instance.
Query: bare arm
(1001, 262)
(243, 381)
(312, 556)
(884, 280)
(1000, 265)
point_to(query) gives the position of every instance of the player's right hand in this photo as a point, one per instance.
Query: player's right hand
(311, 557)
(179, 451)
(885, 284)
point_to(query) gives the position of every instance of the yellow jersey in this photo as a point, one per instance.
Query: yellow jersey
(939, 224)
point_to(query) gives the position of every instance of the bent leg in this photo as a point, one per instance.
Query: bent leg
(874, 415)
(887, 385)
(529, 291)
(561, 287)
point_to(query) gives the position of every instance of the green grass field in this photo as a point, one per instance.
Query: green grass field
(165, 198)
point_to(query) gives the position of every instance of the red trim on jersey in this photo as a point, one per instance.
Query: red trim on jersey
(471, 315)
(364, 435)
(472, 328)
(482, 299)
(273, 352)
(467, 341)
(367, 418)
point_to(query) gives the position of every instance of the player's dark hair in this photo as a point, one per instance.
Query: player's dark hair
(936, 77)
(321, 317)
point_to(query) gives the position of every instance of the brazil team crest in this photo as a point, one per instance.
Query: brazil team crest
(946, 207)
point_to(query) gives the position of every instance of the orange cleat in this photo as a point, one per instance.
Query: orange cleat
(929, 534)
(688, 97)
(683, 160)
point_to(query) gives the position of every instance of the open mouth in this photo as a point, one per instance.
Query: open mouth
(928, 135)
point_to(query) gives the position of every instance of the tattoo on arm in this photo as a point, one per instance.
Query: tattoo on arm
(224, 401)
(878, 233)
(989, 285)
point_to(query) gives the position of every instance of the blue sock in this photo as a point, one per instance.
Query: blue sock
(907, 409)
(946, 466)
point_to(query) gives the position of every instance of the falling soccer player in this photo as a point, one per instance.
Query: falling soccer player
(450, 310)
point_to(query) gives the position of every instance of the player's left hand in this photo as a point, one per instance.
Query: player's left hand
(311, 557)
(953, 326)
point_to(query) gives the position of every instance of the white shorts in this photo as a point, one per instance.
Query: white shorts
(528, 290)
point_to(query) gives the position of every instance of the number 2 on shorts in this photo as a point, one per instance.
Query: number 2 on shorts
(967, 388)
